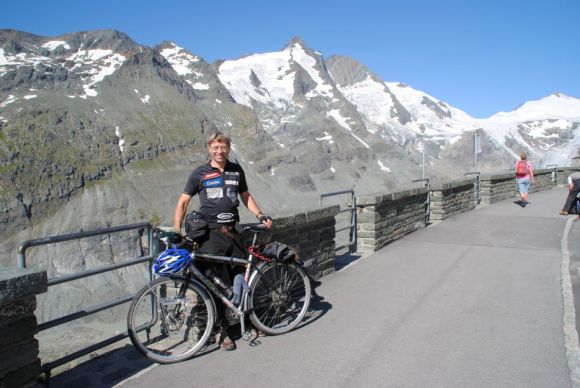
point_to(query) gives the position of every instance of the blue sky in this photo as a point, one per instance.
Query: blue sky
(481, 56)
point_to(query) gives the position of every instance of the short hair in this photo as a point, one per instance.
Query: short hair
(220, 137)
(523, 156)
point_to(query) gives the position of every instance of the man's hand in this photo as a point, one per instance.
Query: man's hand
(266, 220)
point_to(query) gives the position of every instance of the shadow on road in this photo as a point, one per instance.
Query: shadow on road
(103, 371)
(318, 305)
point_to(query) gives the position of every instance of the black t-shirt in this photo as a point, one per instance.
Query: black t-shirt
(218, 193)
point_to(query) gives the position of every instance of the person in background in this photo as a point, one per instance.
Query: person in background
(574, 189)
(524, 178)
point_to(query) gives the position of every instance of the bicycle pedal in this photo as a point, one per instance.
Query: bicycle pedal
(255, 343)
(247, 336)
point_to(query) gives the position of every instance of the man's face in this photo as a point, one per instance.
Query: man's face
(219, 151)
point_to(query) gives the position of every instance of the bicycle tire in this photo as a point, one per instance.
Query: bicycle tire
(178, 326)
(279, 297)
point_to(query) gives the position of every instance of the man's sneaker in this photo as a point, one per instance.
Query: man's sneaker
(225, 342)
(563, 213)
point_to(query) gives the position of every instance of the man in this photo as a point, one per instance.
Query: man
(574, 187)
(218, 184)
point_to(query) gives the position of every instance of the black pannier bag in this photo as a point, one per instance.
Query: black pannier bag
(278, 251)
(196, 226)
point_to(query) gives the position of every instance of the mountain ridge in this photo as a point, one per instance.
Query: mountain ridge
(301, 124)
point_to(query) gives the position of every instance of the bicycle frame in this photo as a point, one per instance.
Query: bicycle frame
(251, 268)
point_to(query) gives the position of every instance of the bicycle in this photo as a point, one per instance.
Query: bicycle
(172, 317)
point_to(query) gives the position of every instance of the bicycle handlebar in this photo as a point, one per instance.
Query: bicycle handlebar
(256, 228)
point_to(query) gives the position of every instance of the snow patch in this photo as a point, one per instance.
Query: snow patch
(361, 141)
(145, 100)
(30, 96)
(326, 137)
(180, 60)
(272, 82)
(341, 120)
(371, 99)
(383, 167)
(308, 63)
(8, 100)
(200, 86)
(101, 63)
(54, 44)
(121, 140)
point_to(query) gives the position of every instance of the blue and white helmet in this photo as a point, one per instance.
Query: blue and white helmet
(171, 261)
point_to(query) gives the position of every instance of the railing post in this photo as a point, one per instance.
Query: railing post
(476, 186)
(554, 168)
(352, 234)
(153, 243)
(352, 246)
(426, 184)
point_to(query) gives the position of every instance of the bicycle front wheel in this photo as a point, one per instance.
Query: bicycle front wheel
(170, 319)
(279, 298)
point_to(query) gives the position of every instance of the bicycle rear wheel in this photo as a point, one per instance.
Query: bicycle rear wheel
(170, 319)
(279, 298)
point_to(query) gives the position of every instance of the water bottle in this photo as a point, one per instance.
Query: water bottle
(227, 291)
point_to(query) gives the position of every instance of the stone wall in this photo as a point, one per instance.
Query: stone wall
(384, 218)
(451, 198)
(19, 363)
(312, 234)
(499, 187)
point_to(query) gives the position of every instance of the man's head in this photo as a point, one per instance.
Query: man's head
(523, 156)
(219, 147)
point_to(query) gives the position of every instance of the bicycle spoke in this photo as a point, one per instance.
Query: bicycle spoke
(280, 298)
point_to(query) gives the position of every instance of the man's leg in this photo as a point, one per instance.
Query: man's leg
(219, 244)
(571, 199)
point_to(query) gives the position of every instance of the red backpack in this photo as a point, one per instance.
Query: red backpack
(522, 168)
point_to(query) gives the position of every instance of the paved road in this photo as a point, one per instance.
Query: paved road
(474, 301)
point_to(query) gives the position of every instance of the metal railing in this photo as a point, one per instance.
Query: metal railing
(153, 248)
(554, 168)
(427, 184)
(476, 186)
(351, 245)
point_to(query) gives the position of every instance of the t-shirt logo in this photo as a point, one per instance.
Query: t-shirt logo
(217, 182)
(211, 175)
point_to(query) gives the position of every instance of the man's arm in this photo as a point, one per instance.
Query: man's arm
(180, 210)
(253, 207)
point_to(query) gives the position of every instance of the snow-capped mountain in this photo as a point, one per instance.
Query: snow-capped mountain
(547, 127)
(283, 86)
